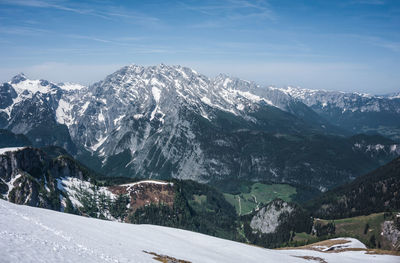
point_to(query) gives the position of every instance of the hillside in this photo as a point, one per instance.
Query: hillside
(49, 178)
(49, 236)
(52, 179)
(377, 191)
(376, 231)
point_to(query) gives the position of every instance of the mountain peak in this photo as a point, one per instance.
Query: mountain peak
(18, 78)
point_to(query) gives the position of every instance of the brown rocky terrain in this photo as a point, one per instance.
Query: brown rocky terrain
(145, 193)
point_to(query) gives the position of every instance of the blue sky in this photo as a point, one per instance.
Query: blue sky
(350, 45)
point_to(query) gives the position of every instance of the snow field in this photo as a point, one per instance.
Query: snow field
(30, 234)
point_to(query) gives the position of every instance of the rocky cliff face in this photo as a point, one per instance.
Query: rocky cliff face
(269, 218)
(21, 174)
(28, 176)
(392, 233)
(275, 223)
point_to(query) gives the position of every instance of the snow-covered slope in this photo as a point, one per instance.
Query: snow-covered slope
(339, 244)
(394, 95)
(37, 235)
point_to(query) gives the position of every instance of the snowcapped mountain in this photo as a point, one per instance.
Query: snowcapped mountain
(37, 235)
(355, 112)
(29, 106)
(394, 95)
(170, 121)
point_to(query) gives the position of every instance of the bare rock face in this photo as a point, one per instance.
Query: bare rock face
(25, 191)
(19, 172)
(268, 219)
(66, 167)
(391, 233)
(28, 176)
(28, 160)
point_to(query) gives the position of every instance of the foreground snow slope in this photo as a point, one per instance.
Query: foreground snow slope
(37, 235)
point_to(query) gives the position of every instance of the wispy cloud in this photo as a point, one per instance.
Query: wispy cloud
(390, 45)
(222, 13)
(34, 32)
(102, 11)
(45, 4)
(89, 38)
(22, 31)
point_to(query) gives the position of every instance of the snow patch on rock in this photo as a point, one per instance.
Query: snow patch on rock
(10, 149)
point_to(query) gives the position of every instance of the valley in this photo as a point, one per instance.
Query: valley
(190, 131)
(259, 194)
(224, 157)
(60, 183)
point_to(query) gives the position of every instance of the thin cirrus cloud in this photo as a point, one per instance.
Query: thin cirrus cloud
(101, 11)
(23, 30)
(390, 45)
(230, 12)
(46, 4)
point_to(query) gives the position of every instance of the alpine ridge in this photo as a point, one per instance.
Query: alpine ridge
(170, 121)
(356, 112)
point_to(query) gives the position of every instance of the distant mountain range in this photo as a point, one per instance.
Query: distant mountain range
(172, 122)
(355, 112)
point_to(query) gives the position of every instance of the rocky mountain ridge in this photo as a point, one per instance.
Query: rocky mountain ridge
(356, 112)
(170, 121)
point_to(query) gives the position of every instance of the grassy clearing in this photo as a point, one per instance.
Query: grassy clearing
(259, 194)
(200, 199)
(199, 203)
(304, 238)
(367, 229)
(356, 227)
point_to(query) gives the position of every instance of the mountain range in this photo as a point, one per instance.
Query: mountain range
(172, 122)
